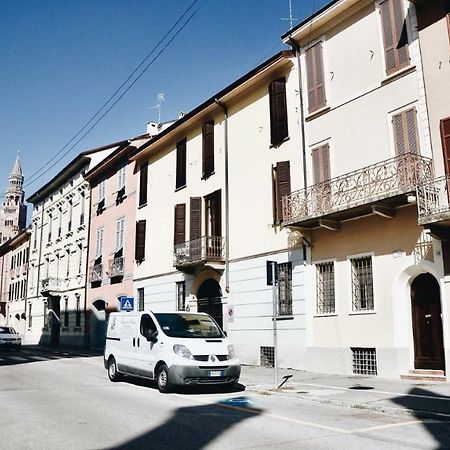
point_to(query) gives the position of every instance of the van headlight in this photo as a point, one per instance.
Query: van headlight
(182, 350)
(231, 352)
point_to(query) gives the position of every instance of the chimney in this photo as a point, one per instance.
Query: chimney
(152, 128)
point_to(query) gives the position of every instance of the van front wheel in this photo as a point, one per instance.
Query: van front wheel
(113, 373)
(162, 379)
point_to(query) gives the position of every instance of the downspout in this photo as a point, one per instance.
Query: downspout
(40, 252)
(227, 199)
(296, 47)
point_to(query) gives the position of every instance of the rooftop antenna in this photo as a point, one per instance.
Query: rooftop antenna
(158, 105)
(290, 18)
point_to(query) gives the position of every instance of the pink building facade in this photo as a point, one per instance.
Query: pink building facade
(111, 237)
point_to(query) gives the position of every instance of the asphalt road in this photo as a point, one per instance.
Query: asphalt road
(51, 401)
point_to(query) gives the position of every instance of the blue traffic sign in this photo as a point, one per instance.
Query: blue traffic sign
(126, 303)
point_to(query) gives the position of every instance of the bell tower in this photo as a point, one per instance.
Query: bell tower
(13, 211)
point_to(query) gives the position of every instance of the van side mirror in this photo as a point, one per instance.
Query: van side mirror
(152, 336)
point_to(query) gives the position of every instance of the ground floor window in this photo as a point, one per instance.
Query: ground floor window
(140, 293)
(325, 294)
(285, 289)
(181, 293)
(362, 284)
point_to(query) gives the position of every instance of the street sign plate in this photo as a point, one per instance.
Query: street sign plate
(127, 303)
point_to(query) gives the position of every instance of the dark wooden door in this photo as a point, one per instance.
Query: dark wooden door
(209, 300)
(427, 323)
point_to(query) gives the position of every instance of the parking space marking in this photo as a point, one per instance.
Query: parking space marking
(389, 425)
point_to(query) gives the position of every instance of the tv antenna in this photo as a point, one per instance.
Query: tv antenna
(290, 18)
(160, 100)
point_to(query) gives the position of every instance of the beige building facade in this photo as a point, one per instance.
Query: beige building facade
(376, 298)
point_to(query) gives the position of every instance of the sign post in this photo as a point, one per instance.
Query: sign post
(272, 275)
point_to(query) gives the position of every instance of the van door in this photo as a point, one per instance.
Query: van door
(124, 351)
(147, 352)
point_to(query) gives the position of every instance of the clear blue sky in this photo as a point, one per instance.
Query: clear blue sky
(61, 59)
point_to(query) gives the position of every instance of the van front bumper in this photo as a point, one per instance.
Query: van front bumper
(189, 375)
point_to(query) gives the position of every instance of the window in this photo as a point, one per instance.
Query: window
(179, 225)
(143, 180)
(281, 186)
(67, 263)
(101, 191)
(278, 112)
(120, 227)
(121, 173)
(66, 312)
(362, 284)
(99, 243)
(140, 240)
(208, 149)
(69, 223)
(181, 164)
(78, 311)
(404, 127)
(364, 361)
(395, 36)
(59, 222)
(325, 288)
(285, 289)
(321, 164)
(140, 292)
(50, 223)
(181, 292)
(80, 258)
(82, 202)
(315, 78)
(445, 139)
(30, 316)
(35, 236)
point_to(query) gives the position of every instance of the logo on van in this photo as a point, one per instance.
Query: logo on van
(213, 359)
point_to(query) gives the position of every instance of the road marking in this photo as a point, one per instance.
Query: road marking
(378, 392)
(388, 425)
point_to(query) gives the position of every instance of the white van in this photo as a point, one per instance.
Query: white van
(173, 348)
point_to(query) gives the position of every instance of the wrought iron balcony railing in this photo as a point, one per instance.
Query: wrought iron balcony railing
(51, 285)
(389, 178)
(206, 248)
(116, 267)
(433, 201)
(95, 273)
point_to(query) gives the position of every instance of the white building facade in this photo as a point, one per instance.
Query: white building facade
(209, 214)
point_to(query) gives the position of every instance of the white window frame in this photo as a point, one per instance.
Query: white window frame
(101, 190)
(121, 177)
(315, 264)
(120, 233)
(99, 242)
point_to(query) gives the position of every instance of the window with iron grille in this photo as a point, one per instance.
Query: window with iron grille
(66, 312)
(140, 293)
(362, 284)
(364, 361)
(30, 316)
(181, 292)
(267, 356)
(285, 289)
(325, 288)
(45, 315)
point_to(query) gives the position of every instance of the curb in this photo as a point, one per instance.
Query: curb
(391, 410)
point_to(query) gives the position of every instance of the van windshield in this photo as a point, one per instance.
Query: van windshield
(188, 325)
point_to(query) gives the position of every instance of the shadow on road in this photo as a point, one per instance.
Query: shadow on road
(193, 427)
(31, 354)
(422, 402)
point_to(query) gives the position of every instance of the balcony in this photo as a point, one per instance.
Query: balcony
(116, 267)
(51, 286)
(96, 273)
(204, 250)
(378, 188)
(433, 202)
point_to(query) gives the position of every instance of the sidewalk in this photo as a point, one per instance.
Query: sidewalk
(393, 396)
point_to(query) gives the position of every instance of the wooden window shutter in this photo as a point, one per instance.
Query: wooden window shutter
(195, 229)
(208, 148)
(181, 164)
(139, 254)
(282, 187)
(445, 137)
(315, 78)
(179, 229)
(321, 164)
(278, 111)
(143, 180)
(404, 126)
(395, 37)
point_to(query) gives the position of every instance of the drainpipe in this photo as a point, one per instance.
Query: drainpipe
(87, 340)
(296, 47)
(227, 199)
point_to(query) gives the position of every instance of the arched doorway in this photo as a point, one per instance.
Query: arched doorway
(98, 324)
(209, 300)
(427, 323)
